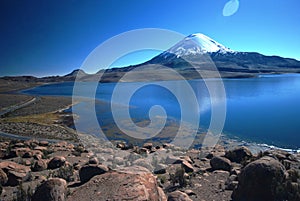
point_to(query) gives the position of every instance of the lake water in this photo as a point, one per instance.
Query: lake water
(260, 110)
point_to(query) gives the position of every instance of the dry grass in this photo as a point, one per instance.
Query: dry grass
(43, 119)
(9, 100)
(43, 105)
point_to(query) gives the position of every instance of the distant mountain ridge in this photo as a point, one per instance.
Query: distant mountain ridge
(225, 59)
(186, 58)
(189, 56)
(76, 73)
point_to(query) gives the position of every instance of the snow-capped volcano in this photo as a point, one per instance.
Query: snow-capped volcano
(197, 44)
(198, 52)
(194, 50)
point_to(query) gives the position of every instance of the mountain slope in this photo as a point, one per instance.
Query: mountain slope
(197, 44)
(194, 53)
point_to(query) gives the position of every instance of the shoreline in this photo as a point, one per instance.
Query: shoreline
(253, 145)
(209, 174)
(45, 119)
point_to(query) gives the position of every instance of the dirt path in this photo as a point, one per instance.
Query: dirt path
(18, 106)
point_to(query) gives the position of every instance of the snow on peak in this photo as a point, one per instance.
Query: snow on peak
(198, 44)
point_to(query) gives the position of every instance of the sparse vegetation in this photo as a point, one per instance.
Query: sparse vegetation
(162, 178)
(65, 172)
(178, 177)
(43, 119)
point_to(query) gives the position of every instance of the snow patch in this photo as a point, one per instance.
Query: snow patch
(198, 44)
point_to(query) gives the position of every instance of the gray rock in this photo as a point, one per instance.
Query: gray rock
(187, 166)
(119, 161)
(19, 145)
(231, 183)
(143, 163)
(54, 189)
(209, 156)
(293, 175)
(259, 180)
(15, 172)
(93, 160)
(160, 169)
(235, 171)
(148, 145)
(91, 170)
(44, 143)
(27, 154)
(238, 154)
(220, 163)
(187, 158)
(124, 146)
(173, 160)
(144, 151)
(39, 165)
(56, 162)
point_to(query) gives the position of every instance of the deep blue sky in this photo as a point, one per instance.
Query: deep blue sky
(40, 37)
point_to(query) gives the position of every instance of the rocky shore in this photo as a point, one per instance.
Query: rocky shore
(77, 166)
(39, 170)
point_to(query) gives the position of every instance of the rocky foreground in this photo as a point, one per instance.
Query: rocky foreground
(44, 170)
(39, 170)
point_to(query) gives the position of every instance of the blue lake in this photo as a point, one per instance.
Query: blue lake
(261, 110)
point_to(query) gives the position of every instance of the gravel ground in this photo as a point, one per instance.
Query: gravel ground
(24, 121)
(43, 105)
(7, 100)
(38, 130)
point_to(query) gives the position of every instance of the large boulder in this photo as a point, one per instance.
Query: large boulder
(238, 154)
(259, 180)
(220, 163)
(56, 162)
(39, 165)
(91, 170)
(54, 189)
(131, 183)
(178, 196)
(15, 172)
